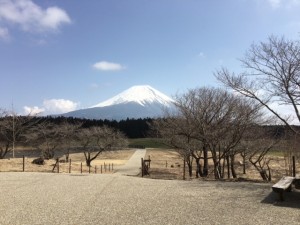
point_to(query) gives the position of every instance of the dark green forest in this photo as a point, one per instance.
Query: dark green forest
(132, 128)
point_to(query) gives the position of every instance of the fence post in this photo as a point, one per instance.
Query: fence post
(142, 166)
(109, 167)
(81, 167)
(294, 166)
(112, 167)
(70, 165)
(183, 169)
(149, 161)
(23, 163)
(101, 168)
(57, 165)
(89, 169)
(95, 169)
(104, 167)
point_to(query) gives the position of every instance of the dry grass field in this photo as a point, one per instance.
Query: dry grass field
(110, 159)
(165, 164)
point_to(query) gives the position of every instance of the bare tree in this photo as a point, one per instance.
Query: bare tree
(12, 130)
(95, 140)
(272, 75)
(255, 146)
(177, 134)
(46, 137)
(67, 133)
(210, 120)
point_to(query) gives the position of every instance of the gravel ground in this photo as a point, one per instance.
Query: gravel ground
(41, 198)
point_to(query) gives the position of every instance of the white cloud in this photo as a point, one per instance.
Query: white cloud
(53, 106)
(4, 34)
(35, 110)
(201, 55)
(283, 3)
(94, 86)
(274, 3)
(31, 17)
(108, 66)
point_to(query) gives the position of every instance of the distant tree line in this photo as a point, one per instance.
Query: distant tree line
(131, 128)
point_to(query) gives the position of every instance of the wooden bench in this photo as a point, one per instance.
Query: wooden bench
(297, 182)
(284, 184)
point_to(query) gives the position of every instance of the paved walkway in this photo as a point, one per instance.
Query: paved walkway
(133, 165)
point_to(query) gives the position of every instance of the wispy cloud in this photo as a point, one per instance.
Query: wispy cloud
(201, 55)
(283, 3)
(108, 66)
(94, 86)
(4, 34)
(52, 106)
(31, 17)
(274, 3)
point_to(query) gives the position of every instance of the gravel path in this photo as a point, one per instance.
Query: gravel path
(41, 198)
(132, 167)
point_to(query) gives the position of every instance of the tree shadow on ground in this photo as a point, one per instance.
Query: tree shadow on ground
(291, 199)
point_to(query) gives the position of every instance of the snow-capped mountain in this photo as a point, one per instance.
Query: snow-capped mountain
(143, 95)
(136, 102)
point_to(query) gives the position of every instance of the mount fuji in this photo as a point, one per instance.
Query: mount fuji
(136, 102)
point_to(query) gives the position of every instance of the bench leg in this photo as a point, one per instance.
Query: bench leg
(281, 196)
(289, 189)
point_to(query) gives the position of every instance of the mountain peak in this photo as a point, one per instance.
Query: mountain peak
(141, 94)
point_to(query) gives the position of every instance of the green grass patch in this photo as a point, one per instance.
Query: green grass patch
(147, 143)
(276, 152)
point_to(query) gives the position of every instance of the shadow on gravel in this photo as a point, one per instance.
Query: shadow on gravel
(291, 199)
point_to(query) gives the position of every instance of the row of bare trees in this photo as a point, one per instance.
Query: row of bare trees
(271, 77)
(211, 124)
(217, 124)
(49, 138)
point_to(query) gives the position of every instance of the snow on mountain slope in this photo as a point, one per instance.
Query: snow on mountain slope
(143, 95)
(136, 102)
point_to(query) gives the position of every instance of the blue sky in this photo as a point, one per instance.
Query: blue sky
(61, 55)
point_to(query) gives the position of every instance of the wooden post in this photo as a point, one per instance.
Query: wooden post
(104, 167)
(69, 165)
(244, 162)
(81, 167)
(228, 167)
(149, 161)
(183, 169)
(23, 163)
(109, 167)
(294, 166)
(142, 166)
(89, 169)
(112, 167)
(101, 168)
(57, 165)
(95, 169)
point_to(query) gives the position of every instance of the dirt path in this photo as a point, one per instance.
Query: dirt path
(132, 166)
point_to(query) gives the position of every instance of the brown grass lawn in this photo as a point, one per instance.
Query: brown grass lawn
(165, 164)
(109, 158)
